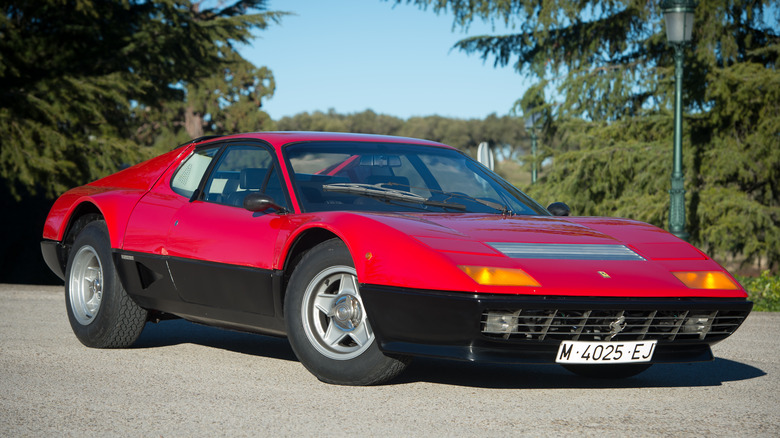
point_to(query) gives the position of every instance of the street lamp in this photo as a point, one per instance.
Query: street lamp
(530, 125)
(679, 23)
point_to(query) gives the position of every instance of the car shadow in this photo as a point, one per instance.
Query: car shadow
(449, 372)
(178, 331)
(500, 376)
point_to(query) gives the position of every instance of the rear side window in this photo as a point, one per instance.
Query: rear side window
(187, 178)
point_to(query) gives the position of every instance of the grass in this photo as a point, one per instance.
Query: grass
(763, 291)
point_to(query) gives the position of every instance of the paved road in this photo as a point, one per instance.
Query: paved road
(188, 380)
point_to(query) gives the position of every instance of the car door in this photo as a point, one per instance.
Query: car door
(221, 255)
(143, 262)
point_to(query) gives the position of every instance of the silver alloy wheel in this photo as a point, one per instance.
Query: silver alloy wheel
(86, 285)
(333, 317)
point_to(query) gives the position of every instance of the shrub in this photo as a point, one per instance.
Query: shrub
(764, 291)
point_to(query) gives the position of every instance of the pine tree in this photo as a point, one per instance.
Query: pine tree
(227, 101)
(78, 76)
(607, 73)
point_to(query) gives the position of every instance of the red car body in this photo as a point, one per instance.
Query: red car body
(231, 267)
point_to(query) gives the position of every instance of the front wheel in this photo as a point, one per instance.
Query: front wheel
(101, 313)
(327, 323)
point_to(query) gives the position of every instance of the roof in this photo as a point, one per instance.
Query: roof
(279, 138)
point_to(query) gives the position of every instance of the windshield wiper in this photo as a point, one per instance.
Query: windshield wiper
(387, 194)
(503, 209)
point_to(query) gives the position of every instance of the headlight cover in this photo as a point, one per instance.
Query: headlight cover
(490, 276)
(706, 280)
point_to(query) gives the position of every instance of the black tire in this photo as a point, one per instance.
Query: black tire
(617, 371)
(100, 312)
(337, 346)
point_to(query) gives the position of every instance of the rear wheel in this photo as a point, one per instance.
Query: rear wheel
(617, 371)
(327, 323)
(101, 313)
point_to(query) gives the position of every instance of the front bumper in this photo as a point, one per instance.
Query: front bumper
(454, 325)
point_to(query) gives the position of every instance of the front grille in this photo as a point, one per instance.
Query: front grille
(611, 325)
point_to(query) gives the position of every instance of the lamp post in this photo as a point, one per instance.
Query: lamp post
(530, 125)
(679, 23)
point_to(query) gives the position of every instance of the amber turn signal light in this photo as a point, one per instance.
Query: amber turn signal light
(489, 276)
(706, 280)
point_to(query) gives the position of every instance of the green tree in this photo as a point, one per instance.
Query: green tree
(609, 59)
(316, 121)
(504, 134)
(227, 101)
(81, 79)
(736, 196)
(611, 72)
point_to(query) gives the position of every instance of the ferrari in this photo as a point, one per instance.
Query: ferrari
(365, 251)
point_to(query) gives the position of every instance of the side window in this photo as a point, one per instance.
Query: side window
(189, 174)
(242, 170)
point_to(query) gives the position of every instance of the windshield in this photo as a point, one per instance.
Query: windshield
(359, 176)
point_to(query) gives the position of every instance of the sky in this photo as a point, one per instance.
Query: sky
(354, 55)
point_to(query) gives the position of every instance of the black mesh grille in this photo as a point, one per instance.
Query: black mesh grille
(611, 325)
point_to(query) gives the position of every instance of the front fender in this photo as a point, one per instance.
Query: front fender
(382, 254)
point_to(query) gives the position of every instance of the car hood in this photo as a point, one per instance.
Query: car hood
(583, 256)
(461, 229)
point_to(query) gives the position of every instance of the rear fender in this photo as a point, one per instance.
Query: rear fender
(114, 197)
(114, 206)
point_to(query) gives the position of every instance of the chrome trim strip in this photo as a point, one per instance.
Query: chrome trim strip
(558, 251)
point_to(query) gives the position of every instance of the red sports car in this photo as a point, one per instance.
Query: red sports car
(368, 250)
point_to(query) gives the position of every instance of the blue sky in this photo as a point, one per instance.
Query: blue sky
(353, 55)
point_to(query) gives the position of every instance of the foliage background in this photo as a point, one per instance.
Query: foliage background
(86, 84)
(90, 85)
(763, 291)
(603, 75)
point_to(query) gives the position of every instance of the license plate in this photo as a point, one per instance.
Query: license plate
(605, 352)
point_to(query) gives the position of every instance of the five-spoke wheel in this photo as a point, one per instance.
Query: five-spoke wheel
(327, 323)
(333, 317)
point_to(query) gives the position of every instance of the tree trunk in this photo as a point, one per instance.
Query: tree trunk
(193, 122)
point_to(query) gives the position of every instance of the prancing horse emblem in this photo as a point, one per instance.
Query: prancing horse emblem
(604, 274)
(617, 326)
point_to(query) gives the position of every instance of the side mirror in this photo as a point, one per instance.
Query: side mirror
(559, 209)
(261, 202)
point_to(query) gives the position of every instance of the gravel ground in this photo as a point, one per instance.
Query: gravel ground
(183, 379)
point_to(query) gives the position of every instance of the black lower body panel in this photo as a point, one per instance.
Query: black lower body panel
(53, 252)
(221, 295)
(453, 324)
